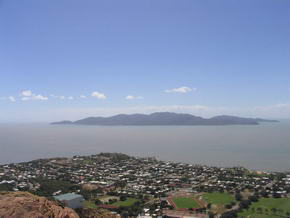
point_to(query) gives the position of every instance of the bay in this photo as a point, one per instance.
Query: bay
(261, 147)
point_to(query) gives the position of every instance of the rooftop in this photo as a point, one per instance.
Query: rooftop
(67, 197)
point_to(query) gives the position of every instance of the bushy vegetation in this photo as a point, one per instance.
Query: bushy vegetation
(6, 187)
(48, 187)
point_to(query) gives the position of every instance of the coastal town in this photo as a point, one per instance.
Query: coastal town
(146, 187)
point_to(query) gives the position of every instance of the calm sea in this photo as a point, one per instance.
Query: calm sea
(263, 147)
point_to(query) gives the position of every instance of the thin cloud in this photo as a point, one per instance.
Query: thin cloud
(61, 97)
(28, 95)
(183, 89)
(9, 98)
(12, 99)
(131, 97)
(98, 95)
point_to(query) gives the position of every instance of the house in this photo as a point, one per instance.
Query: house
(71, 200)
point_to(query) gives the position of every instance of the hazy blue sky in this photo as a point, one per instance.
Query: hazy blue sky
(198, 56)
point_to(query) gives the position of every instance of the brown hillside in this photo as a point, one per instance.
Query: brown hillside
(26, 205)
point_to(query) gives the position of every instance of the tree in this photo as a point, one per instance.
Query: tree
(274, 210)
(123, 198)
(238, 196)
(276, 195)
(211, 215)
(281, 211)
(228, 206)
(259, 209)
(163, 204)
(264, 194)
(245, 204)
(254, 198)
(124, 214)
(230, 214)
(98, 202)
(6, 187)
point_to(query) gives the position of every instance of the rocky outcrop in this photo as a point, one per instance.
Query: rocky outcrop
(26, 205)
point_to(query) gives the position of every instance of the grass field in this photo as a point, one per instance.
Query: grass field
(90, 204)
(129, 202)
(257, 215)
(185, 203)
(218, 198)
(267, 204)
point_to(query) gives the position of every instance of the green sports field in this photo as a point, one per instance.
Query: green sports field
(218, 198)
(266, 206)
(183, 202)
(129, 202)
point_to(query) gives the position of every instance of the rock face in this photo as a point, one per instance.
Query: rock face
(26, 205)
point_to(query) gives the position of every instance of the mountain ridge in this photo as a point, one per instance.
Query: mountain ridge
(163, 119)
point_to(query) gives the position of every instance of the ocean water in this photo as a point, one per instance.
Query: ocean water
(262, 147)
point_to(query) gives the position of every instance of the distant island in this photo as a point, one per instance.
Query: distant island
(163, 119)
